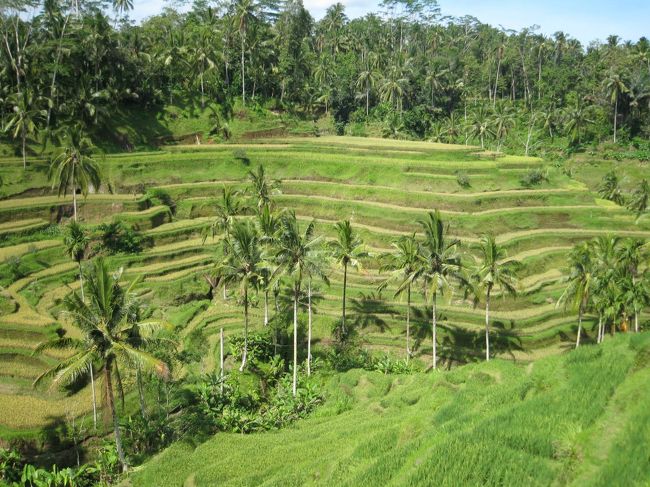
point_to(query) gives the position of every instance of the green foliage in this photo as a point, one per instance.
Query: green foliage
(118, 237)
(534, 177)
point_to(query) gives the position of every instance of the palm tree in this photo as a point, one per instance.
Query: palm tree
(435, 80)
(579, 287)
(227, 209)
(244, 15)
(23, 122)
(403, 266)
(615, 88)
(299, 256)
(365, 81)
(75, 169)
(494, 271)
(576, 120)
(242, 263)
(268, 226)
(609, 188)
(480, 125)
(347, 251)
(640, 198)
(440, 262)
(503, 120)
(631, 256)
(262, 187)
(107, 328)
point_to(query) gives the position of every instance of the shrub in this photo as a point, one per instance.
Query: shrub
(117, 237)
(534, 177)
(463, 180)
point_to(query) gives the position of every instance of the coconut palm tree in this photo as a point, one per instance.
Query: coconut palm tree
(631, 257)
(74, 169)
(107, 327)
(494, 270)
(577, 294)
(347, 251)
(299, 255)
(440, 262)
(244, 14)
(227, 209)
(576, 120)
(404, 270)
(242, 263)
(262, 187)
(480, 125)
(366, 81)
(23, 122)
(639, 201)
(615, 88)
(609, 188)
(268, 226)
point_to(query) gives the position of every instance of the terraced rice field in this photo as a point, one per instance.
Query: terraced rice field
(382, 186)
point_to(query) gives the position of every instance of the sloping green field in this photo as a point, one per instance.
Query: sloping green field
(580, 418)
(382, 186)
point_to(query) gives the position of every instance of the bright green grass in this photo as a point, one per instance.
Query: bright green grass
(563, 420)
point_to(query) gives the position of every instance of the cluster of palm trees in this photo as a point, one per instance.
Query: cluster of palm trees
(638, 201)
(609, 277)
(258, 254)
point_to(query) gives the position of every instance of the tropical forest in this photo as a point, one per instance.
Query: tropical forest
(268, 243)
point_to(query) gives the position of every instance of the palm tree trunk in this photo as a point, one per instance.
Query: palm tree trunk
(408, 322)
(636, 320)
(243, 83)
(81, 282)
(266, 307)
(434, 323)
(24, 136)
(487, 325)
(295, 341)
(345, 284)
(245, 352)
(367, 99)
(111, 407)
(221, 357)
(579, 327)
(600, 328)
(309, 328)
(92, 386)
(615, 117)
(143, 406)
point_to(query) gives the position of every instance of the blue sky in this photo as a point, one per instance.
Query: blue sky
(585, 20)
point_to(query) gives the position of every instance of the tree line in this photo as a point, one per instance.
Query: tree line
(405, 67)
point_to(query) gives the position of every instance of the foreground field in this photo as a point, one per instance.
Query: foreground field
(382, 186)
(575, 419)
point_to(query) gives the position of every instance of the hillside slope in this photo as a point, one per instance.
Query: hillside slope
(580, 418)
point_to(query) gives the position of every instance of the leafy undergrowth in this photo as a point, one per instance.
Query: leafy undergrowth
(579, 418)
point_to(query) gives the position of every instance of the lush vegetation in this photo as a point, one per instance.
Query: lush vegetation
(402, 72)
(235, 279)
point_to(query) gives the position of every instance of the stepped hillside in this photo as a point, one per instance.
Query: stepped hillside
(581, 418)
(383, 186)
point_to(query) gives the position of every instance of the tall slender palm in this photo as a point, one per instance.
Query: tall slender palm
(244, 15)
(23, 122)
(615, 88)
(493, 271)
(347, 251)
(262, 187)
(480, 125)
(631, 257)
(75, 240)
(107, 328)
(440, 262)
(576, 120)
(577, 294)
(639, 202)
(268, 226)
(242, 263)
(75, 169)
(404, 270)
(299, 256)
(366, 81)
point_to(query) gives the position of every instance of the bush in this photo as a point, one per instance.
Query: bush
(534, 177)
(117, 237)
(463, 180)
(388, 365)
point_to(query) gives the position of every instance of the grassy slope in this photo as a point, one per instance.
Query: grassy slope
(580, 418)
(383, 185)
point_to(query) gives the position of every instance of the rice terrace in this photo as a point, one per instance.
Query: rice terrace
(396, 250)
